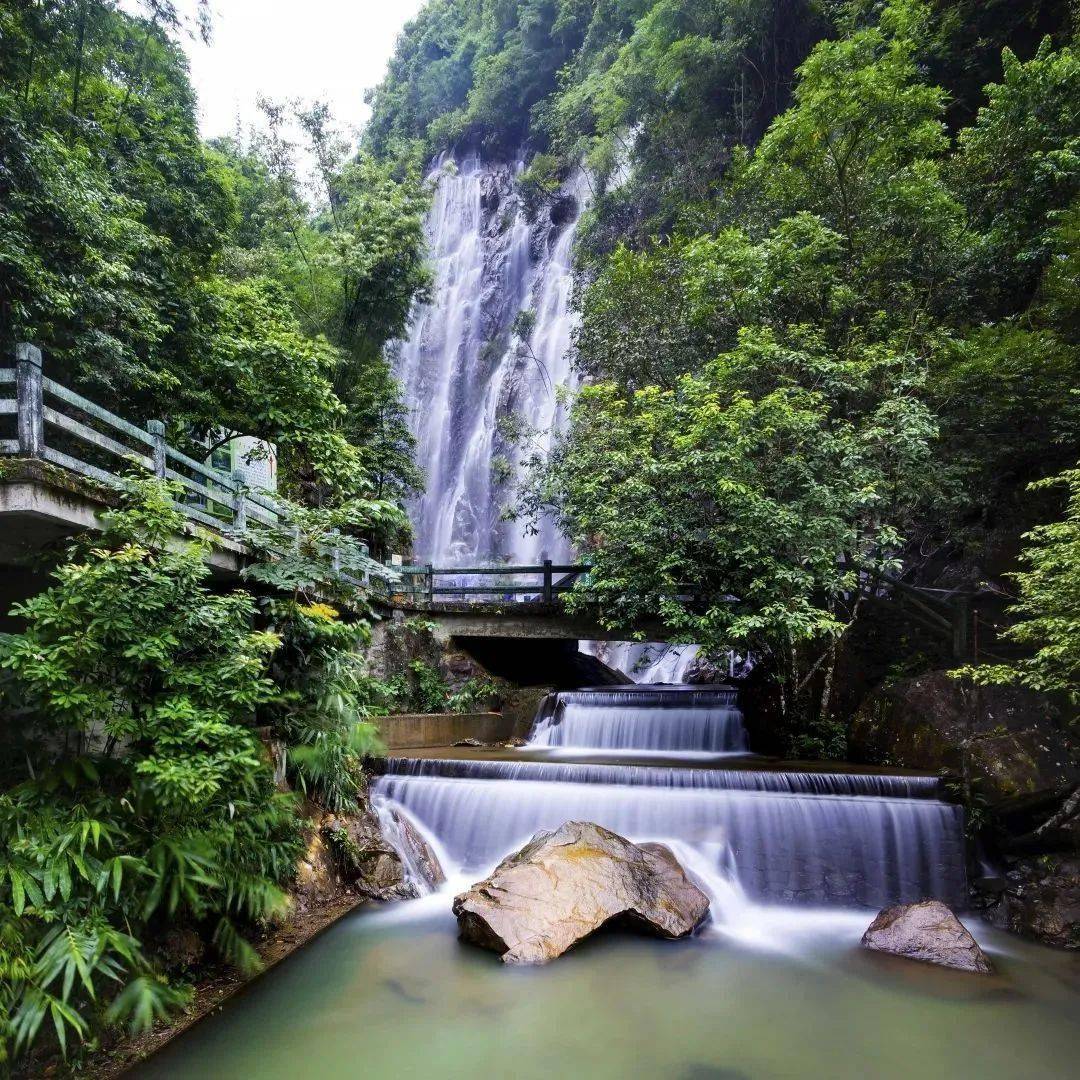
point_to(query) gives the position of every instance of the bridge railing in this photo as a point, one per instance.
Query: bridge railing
(429, 582)
(43, 420)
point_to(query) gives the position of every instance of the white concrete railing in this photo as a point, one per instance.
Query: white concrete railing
(222, 501)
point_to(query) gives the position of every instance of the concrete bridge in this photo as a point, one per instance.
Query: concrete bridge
(61, 461)
(535, 620)
(62, 457)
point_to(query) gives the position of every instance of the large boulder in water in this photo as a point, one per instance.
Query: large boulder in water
(564, 885)
(927, 931)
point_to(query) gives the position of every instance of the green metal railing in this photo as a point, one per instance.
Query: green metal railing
(430, 582)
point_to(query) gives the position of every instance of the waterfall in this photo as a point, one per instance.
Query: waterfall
(644, 661)
(463, 371)
(861, 850)
(752, 835)
(787, 781)
(758, 834)
(683, 719)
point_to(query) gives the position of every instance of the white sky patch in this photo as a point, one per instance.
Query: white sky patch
(326, 50)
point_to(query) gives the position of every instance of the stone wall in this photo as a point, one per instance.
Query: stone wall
(413, 730)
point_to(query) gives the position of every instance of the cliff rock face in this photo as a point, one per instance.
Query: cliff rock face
(1041, 900)
(1015, 740)
(564, 885)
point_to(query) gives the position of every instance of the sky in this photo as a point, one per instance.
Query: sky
(329, 50)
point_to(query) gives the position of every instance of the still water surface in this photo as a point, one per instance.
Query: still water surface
(785, 993)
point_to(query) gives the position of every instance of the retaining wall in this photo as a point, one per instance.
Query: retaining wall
(443, 729)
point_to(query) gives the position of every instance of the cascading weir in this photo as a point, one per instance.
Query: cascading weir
(691, 719)
(794, 836)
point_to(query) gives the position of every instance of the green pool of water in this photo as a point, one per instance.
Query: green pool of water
(393, 994)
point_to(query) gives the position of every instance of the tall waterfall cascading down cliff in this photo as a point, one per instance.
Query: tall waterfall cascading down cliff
(463, 371)
(464, 374)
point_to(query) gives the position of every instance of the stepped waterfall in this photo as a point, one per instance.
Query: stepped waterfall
(750, 834)
(666, 762)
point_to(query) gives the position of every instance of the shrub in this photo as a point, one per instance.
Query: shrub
(146, 796)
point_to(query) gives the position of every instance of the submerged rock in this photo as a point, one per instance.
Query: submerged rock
(564, 885)
(927, 931)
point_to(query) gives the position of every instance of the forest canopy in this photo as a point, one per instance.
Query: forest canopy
(200, 284)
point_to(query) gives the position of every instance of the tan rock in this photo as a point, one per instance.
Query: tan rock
(927, 931)
(564, 885)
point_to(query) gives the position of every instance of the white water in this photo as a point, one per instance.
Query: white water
(462, 371)
(821, 849)
(703, 721)
(751, 836)
(787, 781)
(644, 661)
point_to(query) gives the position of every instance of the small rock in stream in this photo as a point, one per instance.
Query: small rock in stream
(927, 931)
(562, 886)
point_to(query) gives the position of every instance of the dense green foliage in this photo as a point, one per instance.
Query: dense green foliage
(211, 287)
(138, 784)
(1049, 607)
(674, 83)
(139, 795)
(194, 283)
(830, 339)
(327, 698)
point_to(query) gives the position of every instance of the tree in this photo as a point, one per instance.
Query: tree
(1018, 167)
(327, 698)
(1048, 609)
(193, 284)
(754, 506)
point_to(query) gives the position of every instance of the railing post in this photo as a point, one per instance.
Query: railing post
(430, 582)
(961, 616)
(239, 502)
(31, 419)
(157, 432)
(335, 554)
(548, 591)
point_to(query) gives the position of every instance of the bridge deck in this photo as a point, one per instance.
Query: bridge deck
(517, 619)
